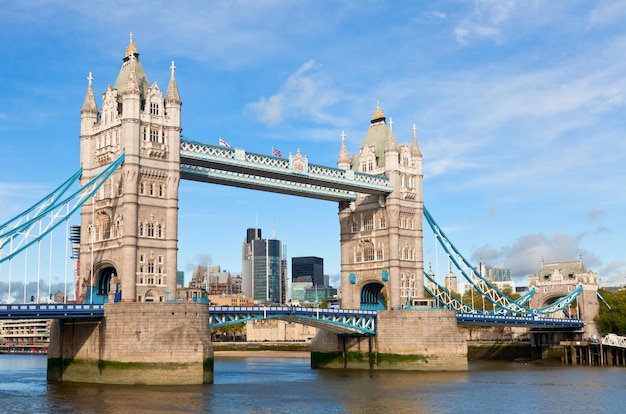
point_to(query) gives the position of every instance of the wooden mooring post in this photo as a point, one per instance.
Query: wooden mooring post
(592, 353)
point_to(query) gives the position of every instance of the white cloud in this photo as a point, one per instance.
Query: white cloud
(268, 110)
(525, 254)
(467, 30)
(607, 12)
(614, 273)
(438, 15)
(485, 22)
(305, 95)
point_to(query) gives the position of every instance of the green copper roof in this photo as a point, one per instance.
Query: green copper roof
(376, 137)
(131, 61)
(566, 268)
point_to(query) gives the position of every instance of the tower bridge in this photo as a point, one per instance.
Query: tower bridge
(127, 250)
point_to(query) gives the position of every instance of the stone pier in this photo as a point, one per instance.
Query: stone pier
(420, 340)
(135, 343)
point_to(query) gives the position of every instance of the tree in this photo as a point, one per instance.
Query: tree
(612, 320)
(474, 298)
(228, 332)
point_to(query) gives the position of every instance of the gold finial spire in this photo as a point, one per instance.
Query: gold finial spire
(132, 48)
(378, 113)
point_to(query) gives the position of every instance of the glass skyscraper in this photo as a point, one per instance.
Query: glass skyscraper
(262, 268)
(308, 269)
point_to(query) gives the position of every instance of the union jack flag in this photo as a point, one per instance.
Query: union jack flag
(276, 152)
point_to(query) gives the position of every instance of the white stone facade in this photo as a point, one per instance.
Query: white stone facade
(381, 237)
(272, 330)
(129, 231)
(558, 279)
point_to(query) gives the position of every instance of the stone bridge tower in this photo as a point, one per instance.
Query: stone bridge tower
(129, 231)
(381, 237)
(557, 279)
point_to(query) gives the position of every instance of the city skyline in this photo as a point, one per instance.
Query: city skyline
(518, 108)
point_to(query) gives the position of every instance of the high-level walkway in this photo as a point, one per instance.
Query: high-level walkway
(294, 176)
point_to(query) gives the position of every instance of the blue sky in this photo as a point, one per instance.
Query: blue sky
(519, 108)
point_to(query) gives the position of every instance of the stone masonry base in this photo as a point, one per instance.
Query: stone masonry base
(135, 343)
(420, 340)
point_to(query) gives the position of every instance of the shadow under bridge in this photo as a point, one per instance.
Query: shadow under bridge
(340, 321)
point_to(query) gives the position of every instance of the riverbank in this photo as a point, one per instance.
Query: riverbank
(497, 351)
(261, 349)
(261, 354)
(262, 346)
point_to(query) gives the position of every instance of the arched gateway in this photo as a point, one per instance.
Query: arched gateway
(554, 280)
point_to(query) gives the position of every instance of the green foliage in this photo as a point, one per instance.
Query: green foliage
(474, 298)
(612, 320)
(232, 329)
(508, 291)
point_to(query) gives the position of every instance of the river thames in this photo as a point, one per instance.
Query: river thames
(289, 385)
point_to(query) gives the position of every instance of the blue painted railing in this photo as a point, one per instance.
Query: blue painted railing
(50, 311)
(337, 320)
(532, 321)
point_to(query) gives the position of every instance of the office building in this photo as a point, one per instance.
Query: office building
(308, 269)
(262, 269)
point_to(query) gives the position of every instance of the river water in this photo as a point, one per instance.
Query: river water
(289, 385)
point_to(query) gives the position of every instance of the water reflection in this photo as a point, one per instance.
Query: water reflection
(285, 385)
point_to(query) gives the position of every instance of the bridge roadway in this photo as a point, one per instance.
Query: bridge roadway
(341, 321)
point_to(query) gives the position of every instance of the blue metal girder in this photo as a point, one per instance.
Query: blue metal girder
(527, 321)
(50, 311)
(335, 320)
(25, 230)
(257, 182)
(295, 176)
(502, 303)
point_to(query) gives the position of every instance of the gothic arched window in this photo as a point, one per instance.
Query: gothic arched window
(368, 222)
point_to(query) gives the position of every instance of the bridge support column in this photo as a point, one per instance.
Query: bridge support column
(420, 340)
(135, 343)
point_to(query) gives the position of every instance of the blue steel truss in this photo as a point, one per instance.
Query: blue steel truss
(449, 301)
(38, 221)
(295, 176)
(341, 321)
(502, 303)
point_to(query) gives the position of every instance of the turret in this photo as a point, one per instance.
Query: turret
(343, 163)
(89, 111)
(416, 153)
(391, 150)
(172, 99)
(131, 95)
